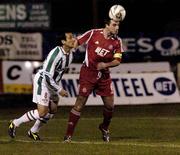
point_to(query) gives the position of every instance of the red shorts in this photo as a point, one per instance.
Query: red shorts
(95, 80)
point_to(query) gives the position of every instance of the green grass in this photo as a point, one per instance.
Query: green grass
(135, 130)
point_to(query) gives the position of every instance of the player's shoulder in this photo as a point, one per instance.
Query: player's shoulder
(98, 30)
(57, 50)
(91, 32)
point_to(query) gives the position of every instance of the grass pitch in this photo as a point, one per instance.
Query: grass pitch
(137, 130)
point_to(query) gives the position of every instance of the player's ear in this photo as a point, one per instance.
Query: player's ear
(63, 42)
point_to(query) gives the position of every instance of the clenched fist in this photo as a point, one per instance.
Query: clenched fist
(63, 93)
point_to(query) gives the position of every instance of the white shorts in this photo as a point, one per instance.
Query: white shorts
(41, 94)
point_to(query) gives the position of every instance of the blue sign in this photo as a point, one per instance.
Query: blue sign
(164, 86)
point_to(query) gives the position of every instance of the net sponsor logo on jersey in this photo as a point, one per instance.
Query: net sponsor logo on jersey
(101, 51)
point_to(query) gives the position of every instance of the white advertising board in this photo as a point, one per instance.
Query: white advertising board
(178, 75)
(17, 76)
(20, 46)
(130, 89)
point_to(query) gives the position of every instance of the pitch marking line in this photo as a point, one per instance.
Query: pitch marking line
(139, 118)
(140, 144)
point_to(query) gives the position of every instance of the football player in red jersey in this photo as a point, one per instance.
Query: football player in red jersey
(103, 50)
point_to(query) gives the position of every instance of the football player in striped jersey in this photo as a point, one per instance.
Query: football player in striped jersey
(46, 88)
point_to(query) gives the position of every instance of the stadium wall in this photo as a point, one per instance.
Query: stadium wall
(132, 83)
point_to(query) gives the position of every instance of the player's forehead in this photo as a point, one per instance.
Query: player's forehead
(114, 23)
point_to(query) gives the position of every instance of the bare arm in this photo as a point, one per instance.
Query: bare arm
(103, 65)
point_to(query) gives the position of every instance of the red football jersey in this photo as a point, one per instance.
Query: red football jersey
(100, 49)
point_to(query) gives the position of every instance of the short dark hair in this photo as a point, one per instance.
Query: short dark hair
(107, 21)
(59, 39)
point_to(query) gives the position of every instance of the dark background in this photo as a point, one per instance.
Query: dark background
(146, 16)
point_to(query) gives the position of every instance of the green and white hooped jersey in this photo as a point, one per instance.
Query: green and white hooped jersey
(54, 67)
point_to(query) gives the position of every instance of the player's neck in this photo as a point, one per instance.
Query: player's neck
(107, 33)
(66, 49)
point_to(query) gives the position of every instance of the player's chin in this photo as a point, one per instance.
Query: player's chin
(116, 32)
(71, 46)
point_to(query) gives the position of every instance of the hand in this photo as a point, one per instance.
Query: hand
(63, 93)
(101, 65)
(75, 43)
